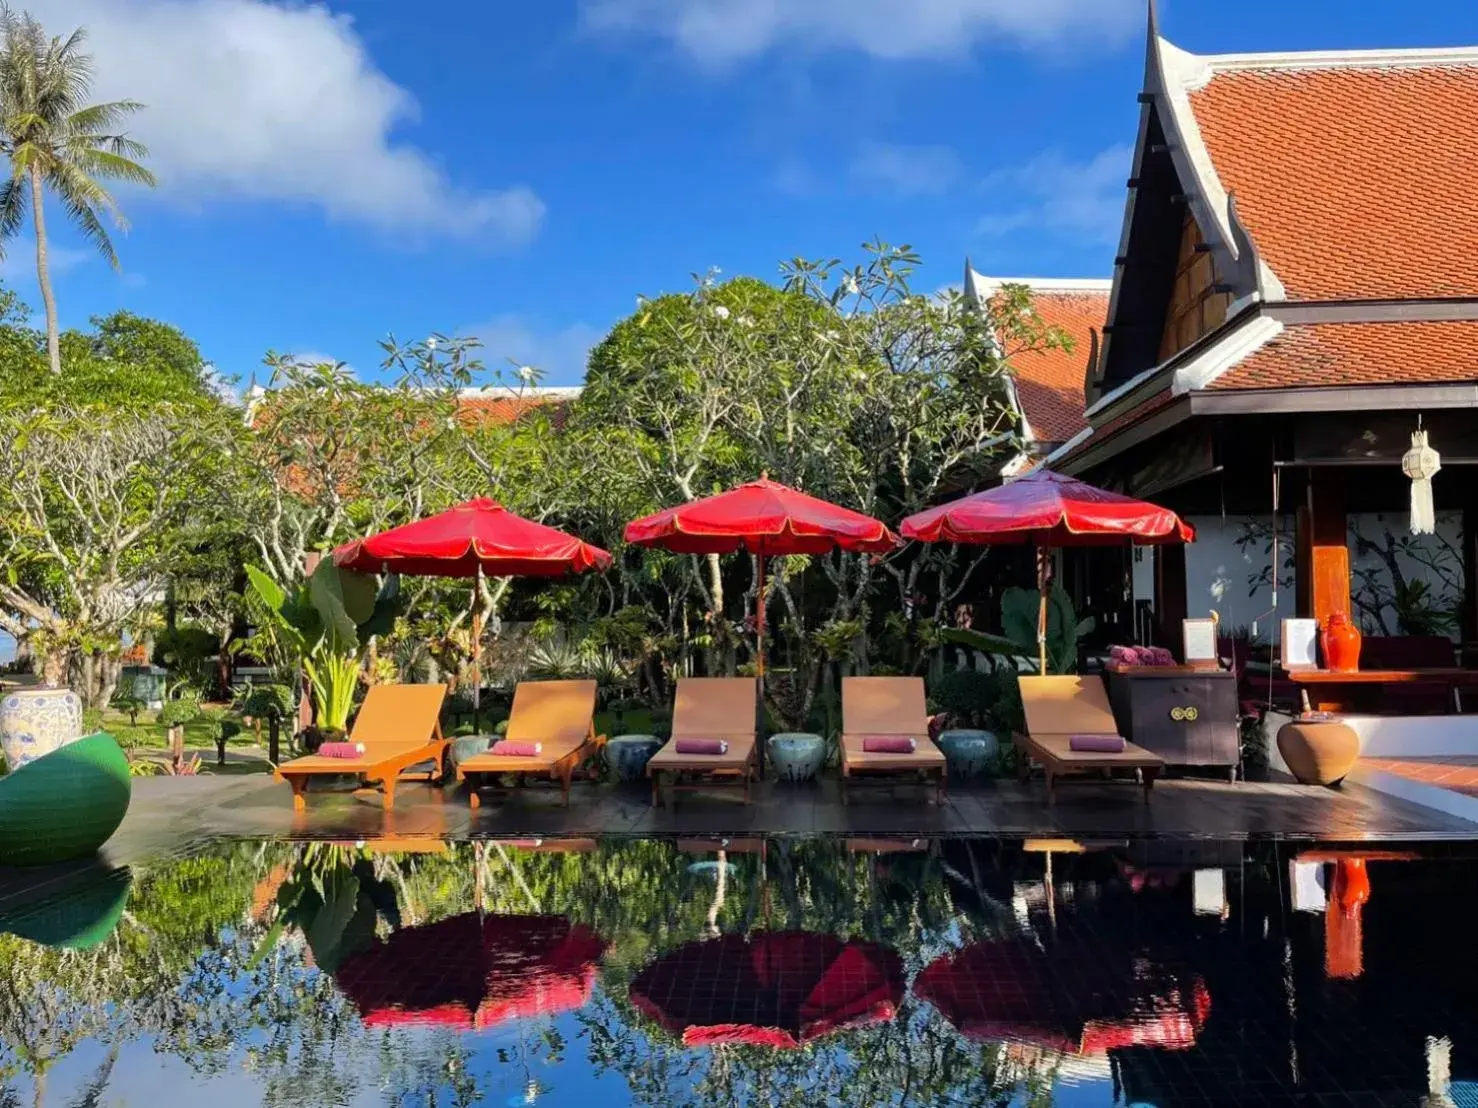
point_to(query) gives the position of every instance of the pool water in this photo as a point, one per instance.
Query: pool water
(775, 971)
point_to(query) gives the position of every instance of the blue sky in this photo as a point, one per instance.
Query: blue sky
(523, 170)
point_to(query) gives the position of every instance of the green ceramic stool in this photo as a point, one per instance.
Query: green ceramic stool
(969, 752)
(796, 756)
(64, 805)
(627, 755)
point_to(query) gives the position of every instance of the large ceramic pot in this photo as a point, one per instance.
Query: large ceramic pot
(64, 805)
(1341, 642)
(969, 753)
(1318, 753)
(34, 722)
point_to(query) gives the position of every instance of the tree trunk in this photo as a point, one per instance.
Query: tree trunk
(43, 275)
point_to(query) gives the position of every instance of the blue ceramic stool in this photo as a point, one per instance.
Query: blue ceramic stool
(796, 756)
(628, 755)
(969, 753)
(463, 747)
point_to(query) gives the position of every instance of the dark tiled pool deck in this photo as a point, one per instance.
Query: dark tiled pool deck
(173, 812)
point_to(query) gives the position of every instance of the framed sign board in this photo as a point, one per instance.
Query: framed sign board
(1299, 644)
(1199, 640)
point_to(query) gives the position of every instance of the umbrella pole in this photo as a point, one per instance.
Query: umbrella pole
(759, 620)
(477, 649)
(1042, 610)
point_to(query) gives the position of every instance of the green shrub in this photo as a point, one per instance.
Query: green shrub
(92, 721)
(266, 701)
(126, 699)
(132, 736)
(967, 696)
(177, 713)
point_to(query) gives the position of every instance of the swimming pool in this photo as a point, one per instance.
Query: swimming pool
(798, 971)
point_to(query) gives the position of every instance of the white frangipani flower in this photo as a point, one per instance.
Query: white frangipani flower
(526, 372)
(721, 311)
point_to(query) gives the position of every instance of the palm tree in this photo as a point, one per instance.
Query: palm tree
(54, 140)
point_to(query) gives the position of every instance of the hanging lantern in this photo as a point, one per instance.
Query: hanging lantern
(1421, 464)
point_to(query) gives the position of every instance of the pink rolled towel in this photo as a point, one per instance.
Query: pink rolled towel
(341, 750)
(1096, 744)
(888, 744)
(510, 748)
(702, 746)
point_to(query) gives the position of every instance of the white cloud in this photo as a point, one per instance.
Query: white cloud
(905, 170)
(259, 100)
(18, 267)
(716, 32)
(509, 340)
(1052, 193)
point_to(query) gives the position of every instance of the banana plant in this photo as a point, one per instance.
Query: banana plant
(1019, 612)
(327, 623)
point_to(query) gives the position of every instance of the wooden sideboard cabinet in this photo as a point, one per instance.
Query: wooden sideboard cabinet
(1186, 716)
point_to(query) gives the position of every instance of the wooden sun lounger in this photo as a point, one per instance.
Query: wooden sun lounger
(399, 726)
(709, 708)
(1059, 707)
(558, 715)
(891, 706)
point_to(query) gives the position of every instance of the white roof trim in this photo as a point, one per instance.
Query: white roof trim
(1045, 284)
(1072, 444)
(1027, 434)
(1212, 362)
(1128, 386)
(513, 392)
(1344, 59)
(1014, 467)
(1182, 72)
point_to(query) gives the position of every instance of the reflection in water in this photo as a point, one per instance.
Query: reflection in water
(879, 971)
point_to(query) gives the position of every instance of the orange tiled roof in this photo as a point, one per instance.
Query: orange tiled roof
(1332, 354)
(499, 410)
(1355, 181)
(1049, 383)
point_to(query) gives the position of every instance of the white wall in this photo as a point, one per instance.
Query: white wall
(1228, 569)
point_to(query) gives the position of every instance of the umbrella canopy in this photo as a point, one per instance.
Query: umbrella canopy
(763, 517)
(1070, 998)
(767, 519)
(479, 536)
(779, 989)
(472, 972)
(1048, 509)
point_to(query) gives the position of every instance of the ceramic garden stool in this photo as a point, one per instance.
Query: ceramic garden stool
(796, 756)
(628, 755)
(969, 753)
(466, 746)
(1318, 752)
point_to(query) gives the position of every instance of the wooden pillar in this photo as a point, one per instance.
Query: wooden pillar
(1322, 551)
(1469, 618)
(1170, 595)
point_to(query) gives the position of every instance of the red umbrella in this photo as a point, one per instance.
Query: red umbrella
(1069, 998)
(779, 989)
(767, 519)
(472, 973)
(477, 537)
(472, 539)
(1048, 509)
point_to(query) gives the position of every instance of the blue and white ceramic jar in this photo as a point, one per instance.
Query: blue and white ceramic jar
(34, 722)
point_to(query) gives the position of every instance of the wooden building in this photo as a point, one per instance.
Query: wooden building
(1295, 292)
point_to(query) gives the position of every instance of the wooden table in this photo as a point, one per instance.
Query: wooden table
(1326, 690)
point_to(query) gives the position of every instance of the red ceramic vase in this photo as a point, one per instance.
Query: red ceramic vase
(1341, 641)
